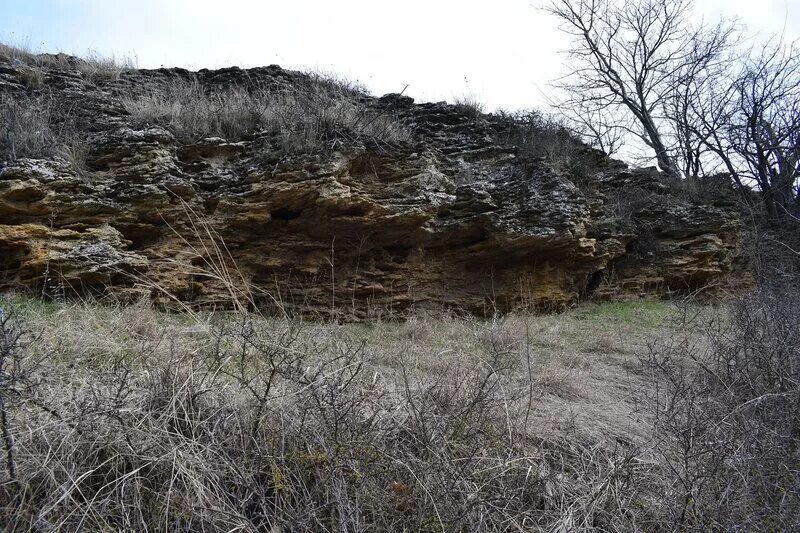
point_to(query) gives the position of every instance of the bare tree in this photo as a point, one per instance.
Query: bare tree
(628, 56)
(710, 59)
(743, 115)
(597, 126)
(764, 125)
(704, 106)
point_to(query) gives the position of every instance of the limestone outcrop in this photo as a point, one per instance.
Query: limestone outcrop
(456, 216)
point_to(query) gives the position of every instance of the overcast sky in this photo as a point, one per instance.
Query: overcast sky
(503, 52)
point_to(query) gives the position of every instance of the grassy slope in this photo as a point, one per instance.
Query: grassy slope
(645, 415)
(537, 411)
(582, 362)
(569, 351)
(615, 417)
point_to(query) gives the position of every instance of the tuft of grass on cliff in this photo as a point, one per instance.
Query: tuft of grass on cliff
(302, 119)
(317, 112)
(92, 66)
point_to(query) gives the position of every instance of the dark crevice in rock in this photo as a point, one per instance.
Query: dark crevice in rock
(285, 213)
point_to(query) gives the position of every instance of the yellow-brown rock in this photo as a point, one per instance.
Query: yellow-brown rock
(456, 217)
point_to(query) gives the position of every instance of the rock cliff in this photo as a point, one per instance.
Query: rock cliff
(458, 214)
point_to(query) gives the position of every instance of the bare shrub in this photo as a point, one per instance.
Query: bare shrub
(93, 66)
(233, 421)
(277, 425)
(299, 120)
(774, 252)
(470, 104)
(26, 128)
(727, 418)
(539, 136)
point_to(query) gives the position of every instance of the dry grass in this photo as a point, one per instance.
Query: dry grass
(33, 127)
(128, 418)
(302, 119)
(470, 104)
(320, 113)
(537, 135)
(625, 416)
(92, 66)
(26, 129)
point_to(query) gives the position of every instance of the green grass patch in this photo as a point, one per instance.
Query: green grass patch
(648, 313)
(26, 306)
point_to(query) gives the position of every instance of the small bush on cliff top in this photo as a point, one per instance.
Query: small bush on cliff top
(301, 119)
(470, 104)
(92, 66)
(537, 135)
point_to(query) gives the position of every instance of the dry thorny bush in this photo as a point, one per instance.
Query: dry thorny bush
(727, 412)
(93, 67)
(276, 425)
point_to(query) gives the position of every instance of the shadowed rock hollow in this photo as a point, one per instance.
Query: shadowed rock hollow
(457, 214)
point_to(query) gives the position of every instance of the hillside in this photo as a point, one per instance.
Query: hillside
(272, 188)
(328, 251)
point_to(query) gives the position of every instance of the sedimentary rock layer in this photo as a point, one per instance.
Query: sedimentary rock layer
(458, 216)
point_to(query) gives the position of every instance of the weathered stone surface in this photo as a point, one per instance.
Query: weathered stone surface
(456, 217)
(67, 259)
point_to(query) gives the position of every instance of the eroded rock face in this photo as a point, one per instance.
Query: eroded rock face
(456, 217)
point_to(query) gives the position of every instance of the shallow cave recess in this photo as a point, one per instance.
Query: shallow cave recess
(285, 213)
